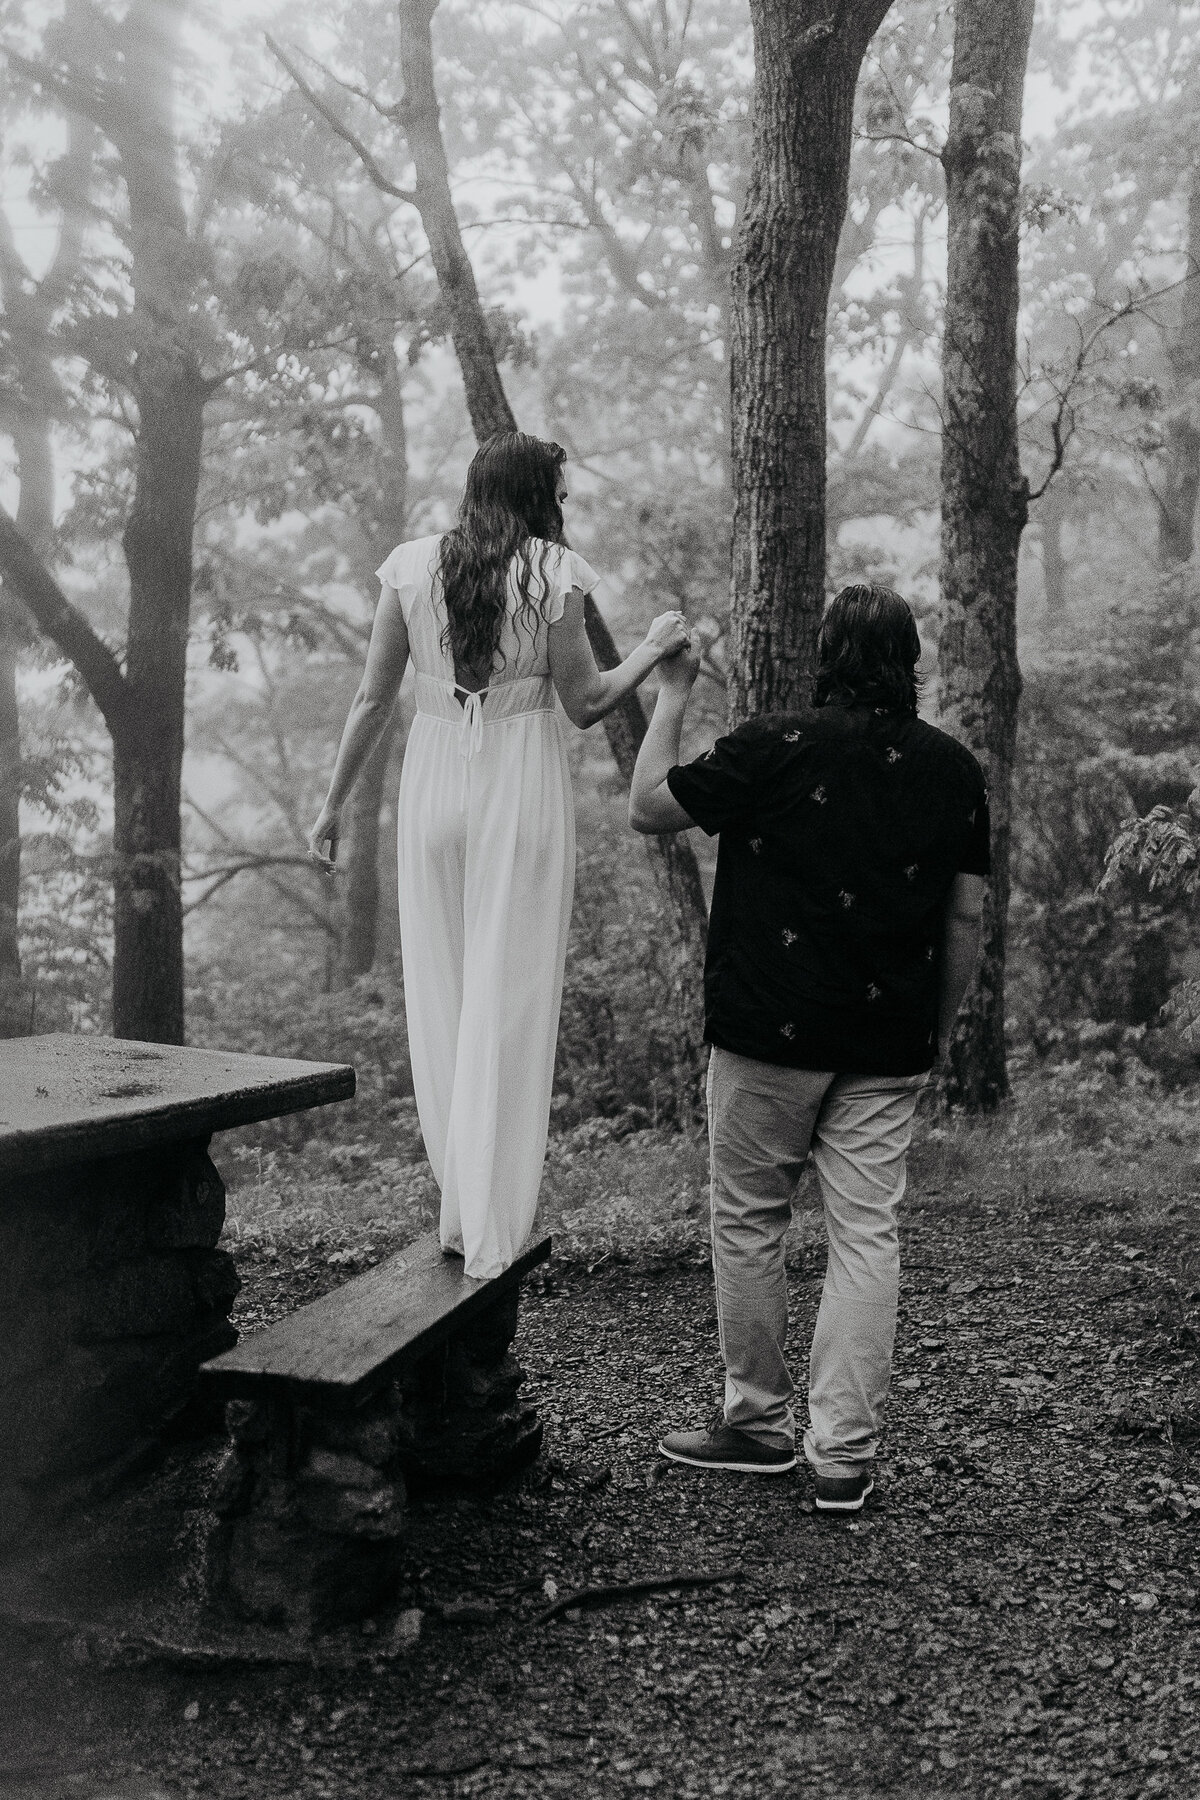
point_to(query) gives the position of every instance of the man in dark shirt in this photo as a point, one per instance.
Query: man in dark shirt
(851, 864)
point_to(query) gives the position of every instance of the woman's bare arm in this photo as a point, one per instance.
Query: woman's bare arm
(387, 659)
(589, 692)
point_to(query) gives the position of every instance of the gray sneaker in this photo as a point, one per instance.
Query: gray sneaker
(724, 1447)
(843, 1493)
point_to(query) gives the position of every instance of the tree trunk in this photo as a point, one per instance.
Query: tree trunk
(148, 759)
(420, 118)
(807, 56)
(14, 1015)
(35, 519)
(1052, 517)
(984, 493)
(1179, 489)
(359, 924)
(671, 858)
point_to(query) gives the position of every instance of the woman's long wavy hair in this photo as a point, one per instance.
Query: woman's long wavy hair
(867, 649)
(509, 499)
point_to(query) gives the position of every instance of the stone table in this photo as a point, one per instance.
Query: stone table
(112, 1288)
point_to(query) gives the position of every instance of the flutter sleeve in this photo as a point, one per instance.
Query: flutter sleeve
(399, 571)
(566, 570)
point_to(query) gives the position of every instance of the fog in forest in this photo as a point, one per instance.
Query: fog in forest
(811, 293)
(598, 159)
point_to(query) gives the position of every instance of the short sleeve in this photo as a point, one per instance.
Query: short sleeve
(404, 571)
(725, 787)
(568, 570)
(975, 858)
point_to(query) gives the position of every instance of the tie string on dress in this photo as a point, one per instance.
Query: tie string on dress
(470, 736)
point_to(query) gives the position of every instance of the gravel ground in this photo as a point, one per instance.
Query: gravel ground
(1014, 1613)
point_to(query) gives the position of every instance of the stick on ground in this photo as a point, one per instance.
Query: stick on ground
(626, 1590)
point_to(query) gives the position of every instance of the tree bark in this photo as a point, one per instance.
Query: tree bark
(148, 759)
(1052, 518)
(671, 858)
(359, 924)
(807, 56)
(984, 493)
(1180, 486)
(420, 117)
(35, 519)
(14, 1016)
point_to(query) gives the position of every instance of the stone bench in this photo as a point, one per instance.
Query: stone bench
(400, 1378)
(112, 1288)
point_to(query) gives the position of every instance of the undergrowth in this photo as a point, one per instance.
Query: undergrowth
(1124, 1151)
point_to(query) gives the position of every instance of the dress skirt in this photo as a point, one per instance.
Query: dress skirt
(487, 872)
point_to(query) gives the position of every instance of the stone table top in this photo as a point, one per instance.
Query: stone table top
(67, 1099)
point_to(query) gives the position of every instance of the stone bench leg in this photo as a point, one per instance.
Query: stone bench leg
(311, 1500)
(461, 1421)
(310, 1514)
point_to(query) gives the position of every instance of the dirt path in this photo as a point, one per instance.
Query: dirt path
(1016, 1614)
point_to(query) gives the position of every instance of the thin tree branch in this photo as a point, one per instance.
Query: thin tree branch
(1062, 425)
(221, 877)
(340, 129)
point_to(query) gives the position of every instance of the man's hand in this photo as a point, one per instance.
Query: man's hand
(677, 674)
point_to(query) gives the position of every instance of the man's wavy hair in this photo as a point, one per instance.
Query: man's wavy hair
(867, 650)
(509, 499)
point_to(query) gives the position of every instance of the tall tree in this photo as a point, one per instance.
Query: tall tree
(128, 93)
(985, 495)
(807, 57)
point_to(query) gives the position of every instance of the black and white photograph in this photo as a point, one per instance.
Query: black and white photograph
(599, 884)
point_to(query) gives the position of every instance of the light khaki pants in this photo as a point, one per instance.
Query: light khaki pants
(763, 1121)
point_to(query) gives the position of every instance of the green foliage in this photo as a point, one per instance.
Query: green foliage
(1109, 727)
(616, 1053)
(268, 1007)
(1162, 850)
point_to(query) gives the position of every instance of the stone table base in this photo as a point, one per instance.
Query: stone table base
(112, 1293)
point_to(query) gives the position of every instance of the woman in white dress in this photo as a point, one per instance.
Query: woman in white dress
(491, 615)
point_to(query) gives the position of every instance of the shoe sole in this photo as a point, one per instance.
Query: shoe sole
(846, 1505)
(733, 1468)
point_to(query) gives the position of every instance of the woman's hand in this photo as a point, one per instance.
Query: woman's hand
(327, 830)
(668, 635)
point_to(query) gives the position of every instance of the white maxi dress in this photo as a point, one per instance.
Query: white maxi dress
(487, 875)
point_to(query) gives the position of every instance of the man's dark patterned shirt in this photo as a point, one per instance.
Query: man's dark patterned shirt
(841, 832)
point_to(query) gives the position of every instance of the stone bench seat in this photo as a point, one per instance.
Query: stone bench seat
(402, 1377)
(341, 1349)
